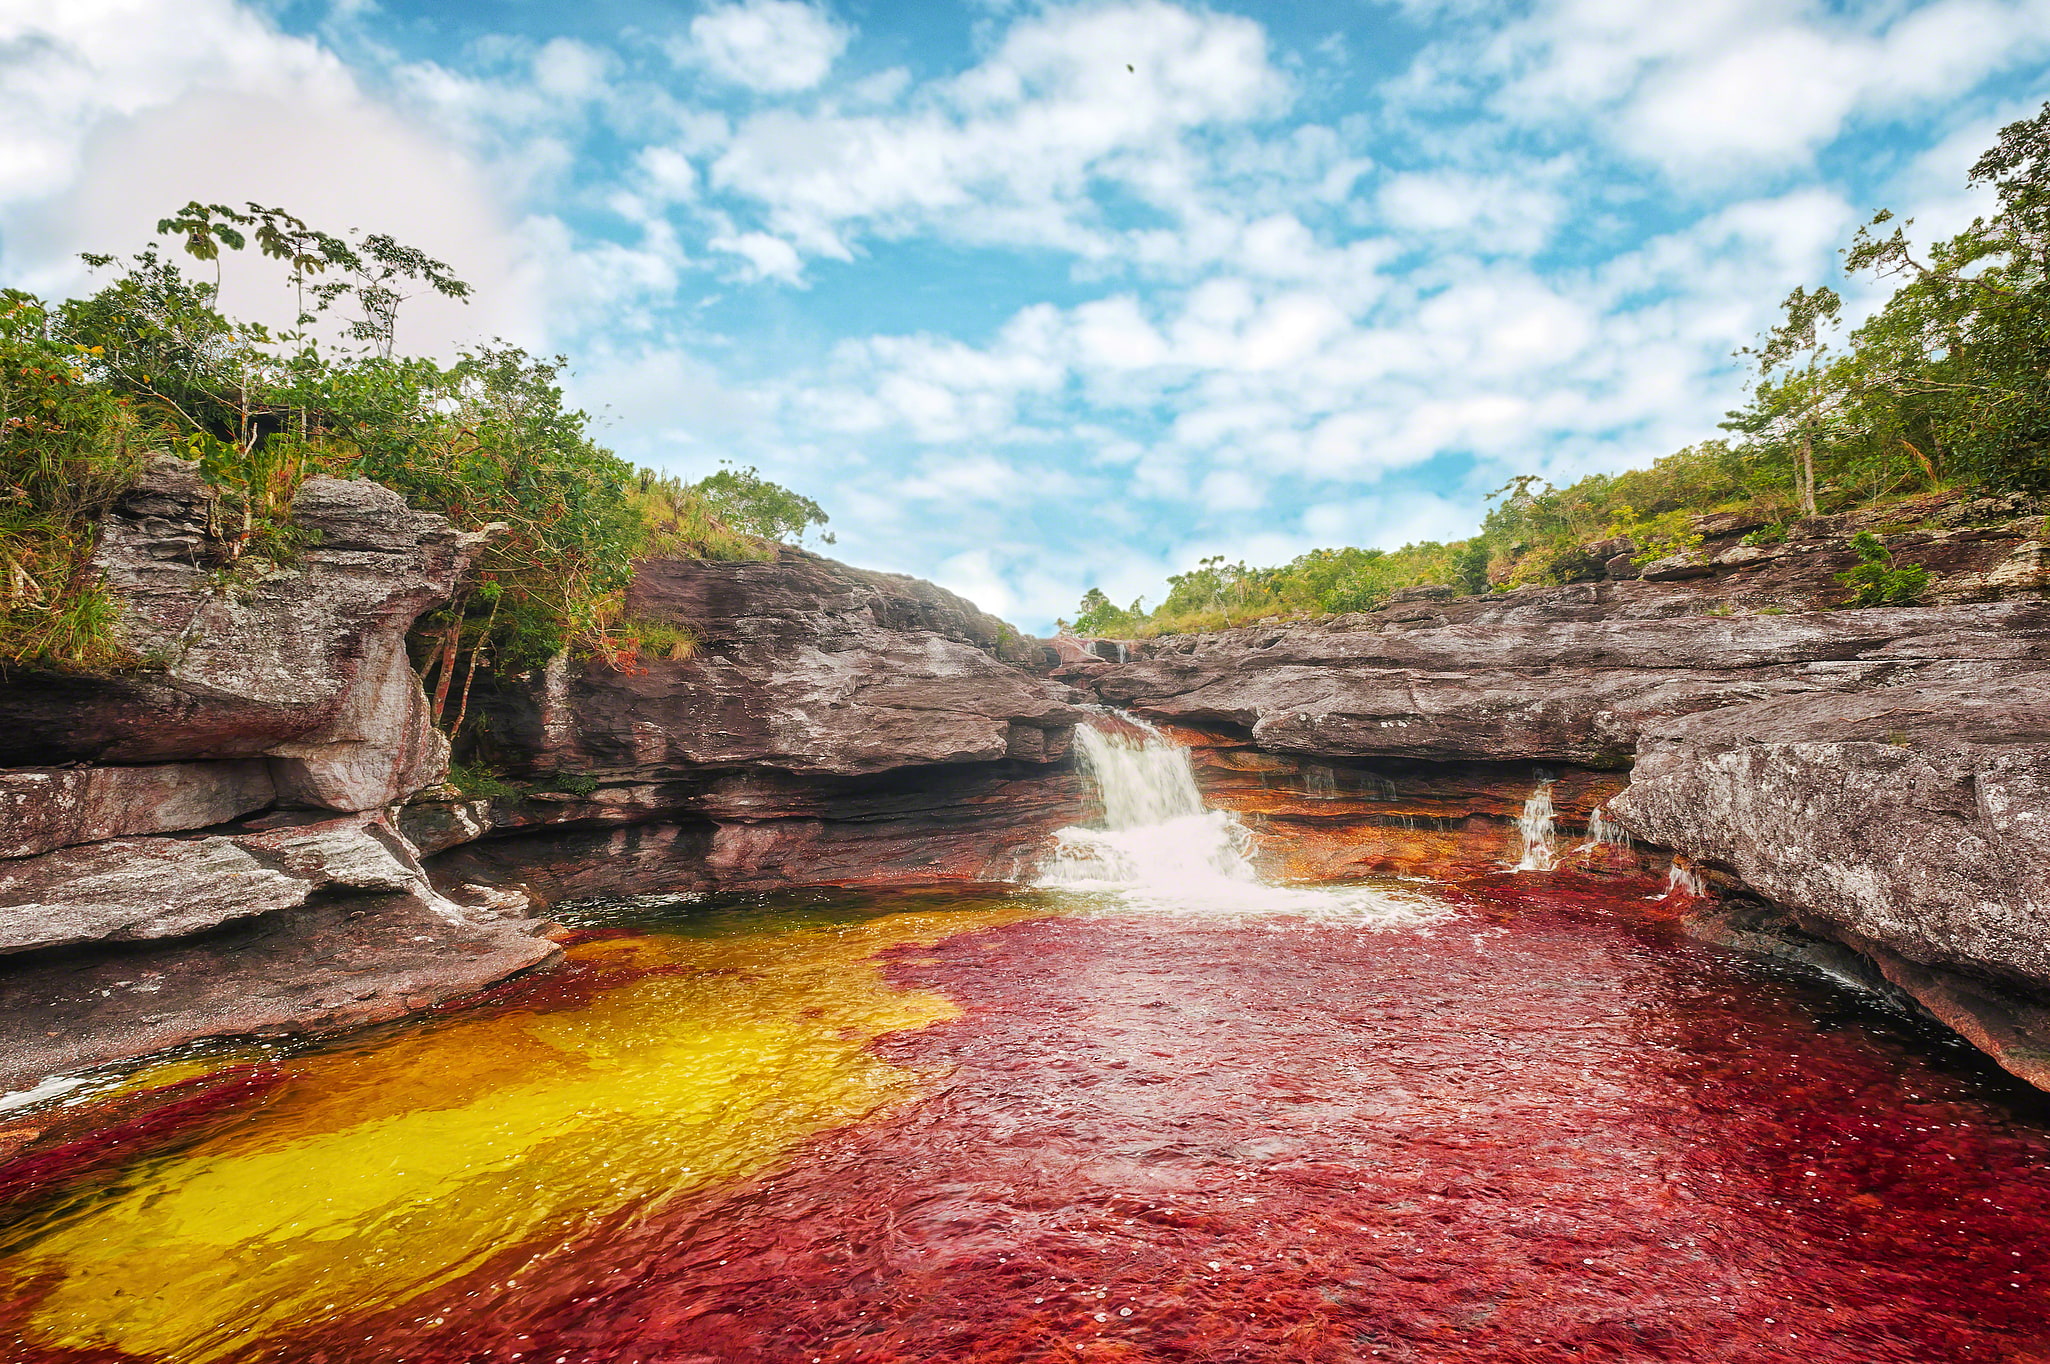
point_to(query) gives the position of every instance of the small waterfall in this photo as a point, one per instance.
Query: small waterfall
(1683, 881)
(1536, 826)
(1161, 847)
(1604, 832)
(1320, 782)
(1156, 830)
(1605, 837)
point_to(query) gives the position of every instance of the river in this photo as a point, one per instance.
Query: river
(1150, 1110)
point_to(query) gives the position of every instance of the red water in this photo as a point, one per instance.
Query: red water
(1547, 1130)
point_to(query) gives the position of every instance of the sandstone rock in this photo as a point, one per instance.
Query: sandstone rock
(1422, 592)
(1674, 567)
(1610, 548)
(1915, 817)
(240, 661)
(333, 963)
(804, 665)
(1716, 525)
(834, 727)
(136, 888)
(133, 888)
(1622, 567)
(1555, 677)
(55, 807)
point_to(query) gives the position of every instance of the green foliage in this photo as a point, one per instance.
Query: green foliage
(568, 783)
(481, 782)
(67, 448)
(148, 363)
(659, 639)
(1218, 595)
(1876, 580)
(751, 504)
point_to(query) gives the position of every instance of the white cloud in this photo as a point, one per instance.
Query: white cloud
(777, 47)
(1008, 151)
(122, 110)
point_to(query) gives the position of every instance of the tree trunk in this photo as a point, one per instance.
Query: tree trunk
(448, 664)
(1807, 475)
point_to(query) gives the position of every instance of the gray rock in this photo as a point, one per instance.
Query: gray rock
(55, 807)
(136, 888)
(1914, 817)
(304, 662)
(1675, 567)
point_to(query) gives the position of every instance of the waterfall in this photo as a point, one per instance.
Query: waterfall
(1604, 832)
(1161, 847)
(1605, 837)
(1156, 830)
(1683, 882)
(1536, 824)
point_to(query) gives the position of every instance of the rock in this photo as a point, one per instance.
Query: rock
(1716, 525)
(129, 889)
(305, 662)
(1674, 567)
(803, 665)
(53, 807)
(1610, 548)
(1622, 567)
(833, 727)
(1422, 592)
(134, 888)
(433, 824)
(333, 963)
(1562, 676)
(1913, 817)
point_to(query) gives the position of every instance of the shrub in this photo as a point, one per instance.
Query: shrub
(1876, 581)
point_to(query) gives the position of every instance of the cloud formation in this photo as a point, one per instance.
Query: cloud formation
(1039, 297)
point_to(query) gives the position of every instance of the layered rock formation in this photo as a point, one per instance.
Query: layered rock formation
(832, 727)
(201, 845)
(1872, 780)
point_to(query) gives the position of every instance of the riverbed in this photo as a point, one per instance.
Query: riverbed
(1523, 1119)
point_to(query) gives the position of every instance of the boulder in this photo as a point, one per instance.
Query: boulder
(129, 889)
(1916, 817)
(832, 727)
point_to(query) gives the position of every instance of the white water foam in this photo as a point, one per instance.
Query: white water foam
(1536, 827)
(1161, 848)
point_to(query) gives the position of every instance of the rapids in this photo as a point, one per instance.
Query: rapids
(1150, 1110)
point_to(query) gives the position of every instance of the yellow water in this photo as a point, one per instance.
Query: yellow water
(389, 1167)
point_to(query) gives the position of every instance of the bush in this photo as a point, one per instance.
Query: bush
(1876, 580)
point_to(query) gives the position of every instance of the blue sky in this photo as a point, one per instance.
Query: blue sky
(1035, 297)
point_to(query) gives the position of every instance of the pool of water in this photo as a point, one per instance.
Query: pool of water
(1520, 1121)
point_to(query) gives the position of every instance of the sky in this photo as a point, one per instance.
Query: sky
(1039, 297)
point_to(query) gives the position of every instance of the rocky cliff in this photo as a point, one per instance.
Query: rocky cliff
(201, 845)
(831, 727)
(247, 831)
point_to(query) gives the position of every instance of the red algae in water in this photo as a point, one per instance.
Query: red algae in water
(1544, 1129)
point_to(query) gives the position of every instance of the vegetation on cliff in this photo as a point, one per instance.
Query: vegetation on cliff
(1945, 385)
(91, 388)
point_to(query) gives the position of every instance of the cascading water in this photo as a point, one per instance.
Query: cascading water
(1162, 847)
(1536, 827)
(1156, 830)
(1604, 832)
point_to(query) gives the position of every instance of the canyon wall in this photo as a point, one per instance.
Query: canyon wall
(831, 727)
(1865, 789)
(248, 830)
(201, 844)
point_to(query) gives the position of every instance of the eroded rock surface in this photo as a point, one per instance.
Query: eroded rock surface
(832, 727)
(1571, 674)
(335, 962)
(303, 664)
